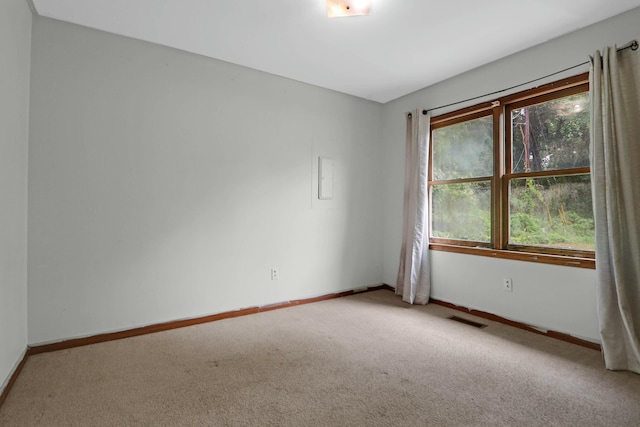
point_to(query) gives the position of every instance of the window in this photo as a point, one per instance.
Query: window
(511, 178)
(462, 171)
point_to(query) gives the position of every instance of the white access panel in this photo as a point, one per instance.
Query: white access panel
(326, 169)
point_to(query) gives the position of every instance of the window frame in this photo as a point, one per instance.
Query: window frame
(500, 109)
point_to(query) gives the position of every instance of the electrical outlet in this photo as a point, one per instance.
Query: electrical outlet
(275, 274)
(507, 284)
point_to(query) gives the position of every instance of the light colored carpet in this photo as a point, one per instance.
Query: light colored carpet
(362, 360)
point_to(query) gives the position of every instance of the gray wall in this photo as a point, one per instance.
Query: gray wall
(550, 297)
(165, 185)
(15, 51)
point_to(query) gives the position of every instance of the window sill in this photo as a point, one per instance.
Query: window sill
(518, 256)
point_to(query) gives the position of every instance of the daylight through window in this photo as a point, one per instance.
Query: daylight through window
(511, 178)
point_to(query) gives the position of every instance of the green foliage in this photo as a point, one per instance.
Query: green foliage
(553, 211)
(552, 135)
(462, 211)
(548, 211)
(463, 150)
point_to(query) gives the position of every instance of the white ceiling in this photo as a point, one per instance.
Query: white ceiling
(403, 46)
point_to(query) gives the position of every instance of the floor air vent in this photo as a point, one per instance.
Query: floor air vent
(468, 322)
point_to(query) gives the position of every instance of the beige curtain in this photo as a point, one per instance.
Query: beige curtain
(615, 175)
(414, 283)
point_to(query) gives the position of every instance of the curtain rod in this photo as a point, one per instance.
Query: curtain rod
(633, 45)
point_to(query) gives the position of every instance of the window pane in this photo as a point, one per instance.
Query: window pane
(552, 135)
(552, 211)
(462, 211)
(463, 150)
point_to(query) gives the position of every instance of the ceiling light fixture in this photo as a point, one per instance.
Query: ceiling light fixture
(339, 8)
